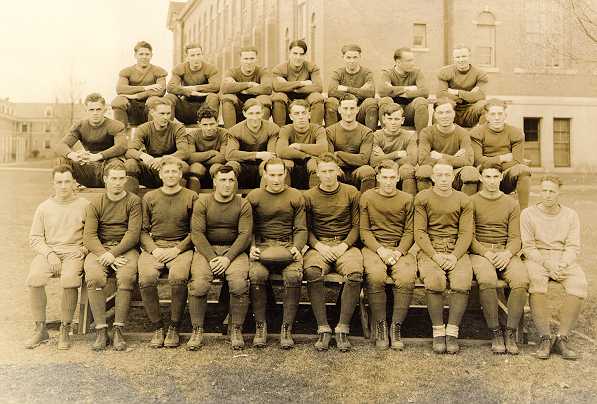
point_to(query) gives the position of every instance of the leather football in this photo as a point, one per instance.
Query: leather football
(275, 255)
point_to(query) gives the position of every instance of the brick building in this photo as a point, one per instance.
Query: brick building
(530, 48)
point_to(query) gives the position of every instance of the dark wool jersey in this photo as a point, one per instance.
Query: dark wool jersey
(431, 139)
(221, 223)
(200, 143)
(279, 216)
(385, 143)
(167, 217)
(353, 147)
(497, 221)
(108, 221)
(450, 77)
(387, 220)
(108, 138)
(243, 144)
(354, 82)
(313, 142)
(138, 77)
(257, 76)
(443, 217)
(170, 141)
(306, 72)
(400, 80)
(488, 145)
(182, 75)
(333, 214)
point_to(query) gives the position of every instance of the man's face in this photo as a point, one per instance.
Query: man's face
(254, 113)
(64, 185)
(170, 174)
(95, 112)
(491, 179)
(461, 58)
(115, 181)
(248, 61)
(348, 110)
(550, 194)
(442, 176)
(296, 56)
(387, 179)
(274, 177)
(352, 60)
(393, 122)
(161, 114)
(209, 127)
(143, 56)
(328, 173)
(496, 117)
(407, 62)
(224, 184)
(444, 114)
(195, 57)
(299, 115)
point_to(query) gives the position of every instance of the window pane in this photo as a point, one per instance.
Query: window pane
(561, 142)
(532, 145)
(420, 35)
(484, 55)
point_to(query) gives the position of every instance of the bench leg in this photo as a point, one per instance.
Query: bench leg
(84, 311)
(364, 314)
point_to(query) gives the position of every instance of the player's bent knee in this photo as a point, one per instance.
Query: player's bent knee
(313, 274)
(280, 97)
(197, 169)
(407, 171)
(365, 172)
(420, 102)
(355, 277)
(424, 171)
(120, 102)
(238, 287)
(435, 283)
(132, 167)
(70, 281)
(199, 287)
(95, 281)
(264, 100)
(314, 98)
(293, 279)
(404, 285)
(469, 174)
(332, 104)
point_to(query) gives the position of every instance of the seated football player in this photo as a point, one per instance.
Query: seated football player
(301, 142)
(464, 84)
(445, 140)
(386, 228)
(351, 143)
(352, 79)
(137, 86)
(103, 140)
(396, 144)
(404, 84)
(497, 142)
(194, 83)
(296, 79)
(279, 221)
(245, 82)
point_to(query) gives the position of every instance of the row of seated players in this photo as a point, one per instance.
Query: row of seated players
(195, 83)
(307, 235)
(249, 144)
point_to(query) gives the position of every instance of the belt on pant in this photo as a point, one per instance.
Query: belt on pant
(443, 243)
(493, 246)
(260, 239)
(111, 243)
(390, 243)
(335, 238)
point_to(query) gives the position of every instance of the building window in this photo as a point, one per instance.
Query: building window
(301, 22)
(532, 141)
(24, 128)
(419, 35)
(49, 112)
(47, 144)
(485, 40)
(561, 142)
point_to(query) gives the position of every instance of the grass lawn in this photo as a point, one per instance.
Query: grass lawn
(217, 374)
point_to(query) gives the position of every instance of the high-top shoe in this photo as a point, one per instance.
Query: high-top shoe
(196, 340)
(260, 338)
(286, 341)
(39, 336)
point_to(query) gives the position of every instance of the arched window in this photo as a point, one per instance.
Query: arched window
(484, 52)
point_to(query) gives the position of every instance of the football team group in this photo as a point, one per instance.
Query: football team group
(378, 203)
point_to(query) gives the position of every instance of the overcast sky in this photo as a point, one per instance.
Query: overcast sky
(46, 44)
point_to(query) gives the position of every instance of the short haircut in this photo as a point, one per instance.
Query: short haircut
(443, 162)
(62, 168)
(351, 48)
(390, 108)
(166, 160)
(192, 45)
(248, 49)
(494, 102)
(490, 165)
(114, 165)
(387, 164)
(327, 157)
(155, 102)
(556, 179)
(206, 112)
(349, 97)
(251, 103)
(298, 42)
(302, 103)
(272, 162)
(142, 44)
(224, 169)
(461, 46)
(95, 97)
(445, 100)
(399, 52)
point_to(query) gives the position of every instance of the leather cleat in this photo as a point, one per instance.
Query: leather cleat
(157, 341)
(40, 335)
(172, 339)
(497, 341)
(323, 342)
(286, 341)
(560, 346)
(544, 348)
(196, 340)
(439, 345)
(64, 341)
(381, 336)
(236, 337)
(101, 339)
(118, 340)
(260, 338)
(342, 342)
(396, 337)
(511, 345)
(452, 346)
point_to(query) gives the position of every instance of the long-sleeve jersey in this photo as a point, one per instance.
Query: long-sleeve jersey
(450, 77)
(488, 145)
(207, 79)
(108, 138)
(279, 216)
(132, 79)
(221, 223)
(333, 214)
(171, 141)
(385, 143)
(431, 139)
(307, 71)
(354, 82)
(398, 82)
(239, 81)
(352, 147)
(497, 221)
(443, 217)
(542, 231)
(200, 145)
(167, 218)
(113, 221)
(243, 144)
(58, 226)
(387, 219)
(313, 142)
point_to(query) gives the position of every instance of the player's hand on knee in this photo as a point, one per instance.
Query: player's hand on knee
(119, 262)
(450, 262)
(386, 255)
(460, 153)
(159, 254)
(436, 155)
(54, 263)
(506, 158)
(339, 250)
(170, 253)
(254, 253)
(219, 265)
(155, 163)
(502, 259)
(106, 258)
(326, 252)
(296, 254)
